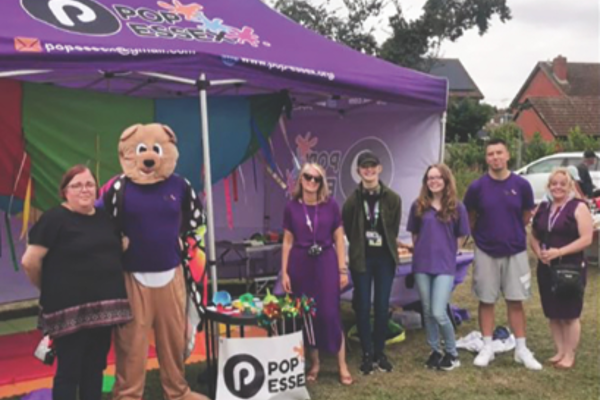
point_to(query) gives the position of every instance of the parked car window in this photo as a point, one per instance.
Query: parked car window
(575, 161)
(578, 160)
(546, 166)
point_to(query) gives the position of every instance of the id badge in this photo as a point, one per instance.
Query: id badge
(374, 239)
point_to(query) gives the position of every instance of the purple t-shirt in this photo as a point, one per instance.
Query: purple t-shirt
(435, 249)
(328, 220)
(499, 230)
(152, 217)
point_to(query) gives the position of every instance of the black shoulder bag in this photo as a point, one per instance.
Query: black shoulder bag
(566, 279)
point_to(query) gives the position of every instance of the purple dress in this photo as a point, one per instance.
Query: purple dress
(564, 232)
(317, 277)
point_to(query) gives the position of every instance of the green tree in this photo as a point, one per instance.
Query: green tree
(538, 148)
(579, 141)
(411, 43)
(466, 117)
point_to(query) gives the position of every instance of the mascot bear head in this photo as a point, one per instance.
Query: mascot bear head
(148, 153)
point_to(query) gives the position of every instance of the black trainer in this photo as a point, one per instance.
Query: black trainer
(433, 362)
(449, 362)
(366, 366)
(383, 364)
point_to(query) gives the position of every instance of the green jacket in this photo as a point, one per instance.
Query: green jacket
(353, 217)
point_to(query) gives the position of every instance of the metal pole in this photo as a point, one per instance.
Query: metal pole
(443, 122)
(443, 144)
(210, 219)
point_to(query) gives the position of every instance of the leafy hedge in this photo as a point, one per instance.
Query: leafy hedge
(467, 160)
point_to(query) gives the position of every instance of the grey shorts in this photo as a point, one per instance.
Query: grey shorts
(510, 276)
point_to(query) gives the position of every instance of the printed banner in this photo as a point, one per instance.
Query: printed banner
(262, 368)
(405, 140)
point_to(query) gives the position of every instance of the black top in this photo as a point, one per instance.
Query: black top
(372, 198)
(587, 186)
(83, 264)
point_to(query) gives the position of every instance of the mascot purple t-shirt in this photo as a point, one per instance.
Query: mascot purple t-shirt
(155, 223)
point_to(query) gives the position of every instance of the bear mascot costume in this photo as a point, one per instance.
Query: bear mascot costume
(157, 211)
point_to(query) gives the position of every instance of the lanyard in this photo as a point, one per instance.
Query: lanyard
(374, 216)
(553, 217)
(309, 223)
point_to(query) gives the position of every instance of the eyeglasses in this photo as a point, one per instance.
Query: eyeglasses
(78, 187)
(309, 177)
(435, 178)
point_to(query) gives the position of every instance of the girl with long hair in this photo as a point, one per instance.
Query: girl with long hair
(437, 221)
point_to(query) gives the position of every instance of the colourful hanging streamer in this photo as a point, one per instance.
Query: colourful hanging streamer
(234, 185)
(264, 145)
(272, 173)
(26, 210)
(286, 139)
(243, 180)
(254, 173)
(228, 203)
(11, 242)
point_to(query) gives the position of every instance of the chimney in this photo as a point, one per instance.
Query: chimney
(559, 68)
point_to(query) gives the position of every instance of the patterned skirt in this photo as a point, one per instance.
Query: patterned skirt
(85, 316)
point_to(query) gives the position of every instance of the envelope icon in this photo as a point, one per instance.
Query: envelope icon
(30, 45)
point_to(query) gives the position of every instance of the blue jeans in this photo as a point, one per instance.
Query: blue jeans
(380, 271)
(435, 291)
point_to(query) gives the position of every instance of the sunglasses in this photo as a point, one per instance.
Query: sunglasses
(309, 177)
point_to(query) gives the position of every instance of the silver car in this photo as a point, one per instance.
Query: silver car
(538, 171)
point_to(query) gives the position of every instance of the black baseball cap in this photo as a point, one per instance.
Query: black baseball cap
(590, 154)
(367, 158)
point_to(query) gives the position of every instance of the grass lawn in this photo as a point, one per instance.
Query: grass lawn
(504, 379)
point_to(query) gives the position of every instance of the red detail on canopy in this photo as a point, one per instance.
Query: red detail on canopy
(12, 141)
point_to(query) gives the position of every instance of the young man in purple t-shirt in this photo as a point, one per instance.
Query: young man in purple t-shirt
(500, 205)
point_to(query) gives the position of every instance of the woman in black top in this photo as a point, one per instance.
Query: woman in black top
(74, 258)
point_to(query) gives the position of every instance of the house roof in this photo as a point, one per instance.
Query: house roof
(560, 114)
(460, 82)
(583, 79)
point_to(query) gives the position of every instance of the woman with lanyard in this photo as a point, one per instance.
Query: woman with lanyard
(371, 217)
(562, 229)
(314, 262)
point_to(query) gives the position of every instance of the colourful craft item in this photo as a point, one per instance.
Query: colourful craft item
(227, 310)
(272, 311)
(247, 302)
(289, 307)
(269, 298)
(222, 298)
(196, 258)
(107, 383)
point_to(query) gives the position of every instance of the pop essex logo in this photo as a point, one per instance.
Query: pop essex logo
(244, 376)
(173, 21)
(85, 17)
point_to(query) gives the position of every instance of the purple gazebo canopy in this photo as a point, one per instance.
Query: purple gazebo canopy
(103, 44)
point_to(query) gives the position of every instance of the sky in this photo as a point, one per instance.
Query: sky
(501, 60)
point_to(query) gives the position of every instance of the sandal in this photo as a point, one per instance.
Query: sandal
(346, 380)
(312, 376)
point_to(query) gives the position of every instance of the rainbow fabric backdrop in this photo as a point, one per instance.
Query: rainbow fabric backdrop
(44, 130)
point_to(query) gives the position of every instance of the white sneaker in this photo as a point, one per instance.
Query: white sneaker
(485, 356)
(525, 357)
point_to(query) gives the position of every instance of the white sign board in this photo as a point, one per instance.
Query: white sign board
(262, 368)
